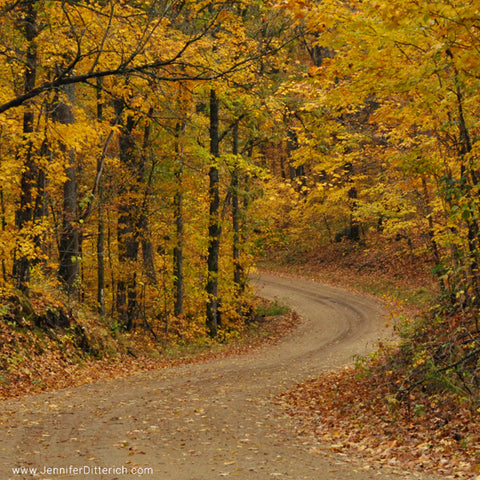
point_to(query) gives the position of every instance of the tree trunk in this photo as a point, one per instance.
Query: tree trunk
(24, 214)
(297, 173)
(101, 221)
(128, 244)
(143, 223)
(431, 235)
(101, 258)
(354, 226)
(214, 229)
(69, 243)
(128, 253)
(40, 211)
(236, 214)
(178, 279)
(4, 225)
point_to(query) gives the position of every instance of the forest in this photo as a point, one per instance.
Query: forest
(153, 151)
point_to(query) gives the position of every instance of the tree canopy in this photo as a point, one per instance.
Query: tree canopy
(149, 149)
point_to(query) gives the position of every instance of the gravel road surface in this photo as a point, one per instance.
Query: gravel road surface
(204, 421)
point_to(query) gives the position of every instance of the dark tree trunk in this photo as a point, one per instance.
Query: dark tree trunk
(24, 214)
(133, 228)
(143, 223)
(128, 253)
(214, 229)
(101, 259)
(292, 145)
(236, 215)
(148, 255)
(354, 226)
(431, 234)
(40, 210)
(101, 220)
(297, 173)
(178, 251)
(4, 225)
(69, 242)
(128, 244)
(178, 280)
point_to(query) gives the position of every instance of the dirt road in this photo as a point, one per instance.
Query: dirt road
(200, 422)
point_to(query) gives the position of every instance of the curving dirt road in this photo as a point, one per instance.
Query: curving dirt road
(200, 422)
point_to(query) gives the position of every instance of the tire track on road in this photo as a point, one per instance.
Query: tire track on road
(209, 420)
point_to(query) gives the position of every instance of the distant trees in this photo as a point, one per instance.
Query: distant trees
(384, 113)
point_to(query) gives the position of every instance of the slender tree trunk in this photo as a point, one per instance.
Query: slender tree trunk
(148, 254)
(24, 214)
(133, 221)
(4, 225)
(214, 229)
(69, 257)
(236, 214)
(431, 235)
(40, 211)
(178, 279)
(354, 226)
(111, 266)
(292, 145)
(143, 223)
(178, 276)
(101, 258)
(69, 244)
(128, 243)
(101, 221)
(128, 253)
(297, 173)
(282, 164)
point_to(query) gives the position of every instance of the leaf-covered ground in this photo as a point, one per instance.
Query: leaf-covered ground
(357, 413)
(36, 357)
(413, 404)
